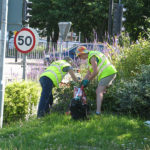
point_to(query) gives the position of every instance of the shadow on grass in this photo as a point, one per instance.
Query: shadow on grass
(61, 132)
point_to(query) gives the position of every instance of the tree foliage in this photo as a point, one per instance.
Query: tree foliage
(90, 17)
(87, 17)
(138, 17)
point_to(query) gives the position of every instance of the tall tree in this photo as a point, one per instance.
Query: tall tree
(90, 17)
(137, 17)
(87, 16)
(45, 17)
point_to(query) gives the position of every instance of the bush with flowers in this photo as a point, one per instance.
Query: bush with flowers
(130, 91)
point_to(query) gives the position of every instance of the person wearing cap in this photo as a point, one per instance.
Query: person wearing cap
(50, 78)
(100, 66)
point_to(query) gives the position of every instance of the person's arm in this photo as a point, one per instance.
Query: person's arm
(71, 72)
(95, 68)
(87, 75)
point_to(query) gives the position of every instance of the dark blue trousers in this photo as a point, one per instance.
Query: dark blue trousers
(46, 99)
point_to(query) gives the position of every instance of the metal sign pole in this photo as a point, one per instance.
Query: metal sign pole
(61, 47)
(24, 66)
(25, 62)
(2, 56)
(25, 41)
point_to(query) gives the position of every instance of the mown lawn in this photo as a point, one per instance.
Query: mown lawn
(60, 132)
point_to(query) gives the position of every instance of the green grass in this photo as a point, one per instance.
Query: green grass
(60, 132)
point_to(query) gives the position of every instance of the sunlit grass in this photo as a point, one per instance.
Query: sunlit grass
(105, 132)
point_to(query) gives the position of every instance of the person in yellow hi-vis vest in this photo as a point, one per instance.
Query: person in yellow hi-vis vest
(100, 66)
(50, 78)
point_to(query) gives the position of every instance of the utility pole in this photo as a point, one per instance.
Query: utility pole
(2, 56)
(110, 19)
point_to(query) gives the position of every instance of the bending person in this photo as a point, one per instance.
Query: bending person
(99, 66)
(50, 78)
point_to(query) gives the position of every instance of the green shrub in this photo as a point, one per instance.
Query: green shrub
(132, 57)
(90, 92)
(129, 93)
(130, 96)
(62, 97)
(124, 40)
(64, 94)
(20, 98)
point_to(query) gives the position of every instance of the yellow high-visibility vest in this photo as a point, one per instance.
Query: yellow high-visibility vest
(105, 68)
(55, 71)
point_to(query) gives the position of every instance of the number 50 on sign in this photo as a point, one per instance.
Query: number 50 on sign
(24, 40)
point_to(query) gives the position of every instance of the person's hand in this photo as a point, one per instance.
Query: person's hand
(84, 83)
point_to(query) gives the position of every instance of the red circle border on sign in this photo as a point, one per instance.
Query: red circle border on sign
(24, 29)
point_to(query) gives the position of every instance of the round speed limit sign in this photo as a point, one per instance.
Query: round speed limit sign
(24, 40)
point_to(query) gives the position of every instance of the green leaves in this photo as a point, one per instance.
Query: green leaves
(85, 16)
(131, 95)
(134, 15)
(20, 100)
(132, 57)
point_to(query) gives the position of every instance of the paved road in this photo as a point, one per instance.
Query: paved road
(14, 71)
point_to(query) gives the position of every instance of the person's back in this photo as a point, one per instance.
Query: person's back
(99, 66)
(104, 66)
(50, 78)
(56, 71)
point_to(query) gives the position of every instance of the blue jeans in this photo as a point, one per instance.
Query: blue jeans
(46, 99)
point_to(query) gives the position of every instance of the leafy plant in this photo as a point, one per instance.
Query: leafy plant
(131, 58)
(64, 94)
(20, 100)
(131, 95)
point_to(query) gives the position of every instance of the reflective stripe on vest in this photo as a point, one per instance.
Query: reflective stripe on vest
(58, 67)
(104, 67)
(53, 74)
(100, 65)
(103, 59)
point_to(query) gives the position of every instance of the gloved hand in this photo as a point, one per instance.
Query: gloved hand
(84, 83)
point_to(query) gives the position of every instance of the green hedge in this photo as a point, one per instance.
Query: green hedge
(132, 57)
(64, 94)
(130, 90)
(130, 96)
(124, 96)
(20, 100)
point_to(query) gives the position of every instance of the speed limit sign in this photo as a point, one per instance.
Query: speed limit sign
(25, 40)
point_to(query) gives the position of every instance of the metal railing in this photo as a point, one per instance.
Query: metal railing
(35, 54)
(37, 60)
